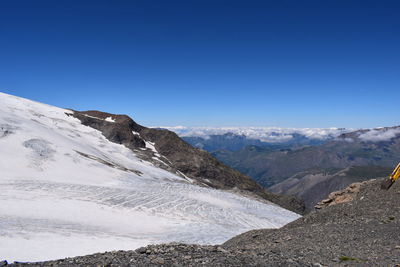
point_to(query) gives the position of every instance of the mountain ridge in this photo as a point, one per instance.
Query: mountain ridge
(301, 162)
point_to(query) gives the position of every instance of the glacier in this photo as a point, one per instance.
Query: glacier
(65, 190)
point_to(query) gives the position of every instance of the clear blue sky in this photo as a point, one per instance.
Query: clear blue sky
(208, 63)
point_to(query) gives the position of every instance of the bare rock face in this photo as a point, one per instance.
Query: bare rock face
(116, 128)
(166, 150)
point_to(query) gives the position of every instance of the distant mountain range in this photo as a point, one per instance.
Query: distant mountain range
(301, 160)
(236, 138)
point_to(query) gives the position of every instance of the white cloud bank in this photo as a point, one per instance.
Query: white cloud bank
(265, 134)
(378, 135)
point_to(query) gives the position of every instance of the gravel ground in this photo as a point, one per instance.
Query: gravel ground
(362, 232)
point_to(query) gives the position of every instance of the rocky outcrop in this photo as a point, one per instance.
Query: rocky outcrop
(360, 232)
(343, 196)
(314, 186)
(116, 128)
(361, 229)
(166, 150)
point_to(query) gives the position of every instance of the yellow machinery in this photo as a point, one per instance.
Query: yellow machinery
(393, 177)
(396, 173)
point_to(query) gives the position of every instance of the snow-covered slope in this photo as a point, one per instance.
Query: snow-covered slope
(65, 190)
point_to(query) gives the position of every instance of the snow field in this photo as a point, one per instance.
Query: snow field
(65, 191)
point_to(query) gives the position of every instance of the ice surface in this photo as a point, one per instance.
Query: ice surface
(67, 191)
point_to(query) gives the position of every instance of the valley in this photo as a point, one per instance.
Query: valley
(307, 166)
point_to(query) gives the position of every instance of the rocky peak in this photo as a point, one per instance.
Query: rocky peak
(116, 128)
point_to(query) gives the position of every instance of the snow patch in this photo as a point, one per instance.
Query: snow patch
(109, 119)
(187, 178)
(151, 146)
